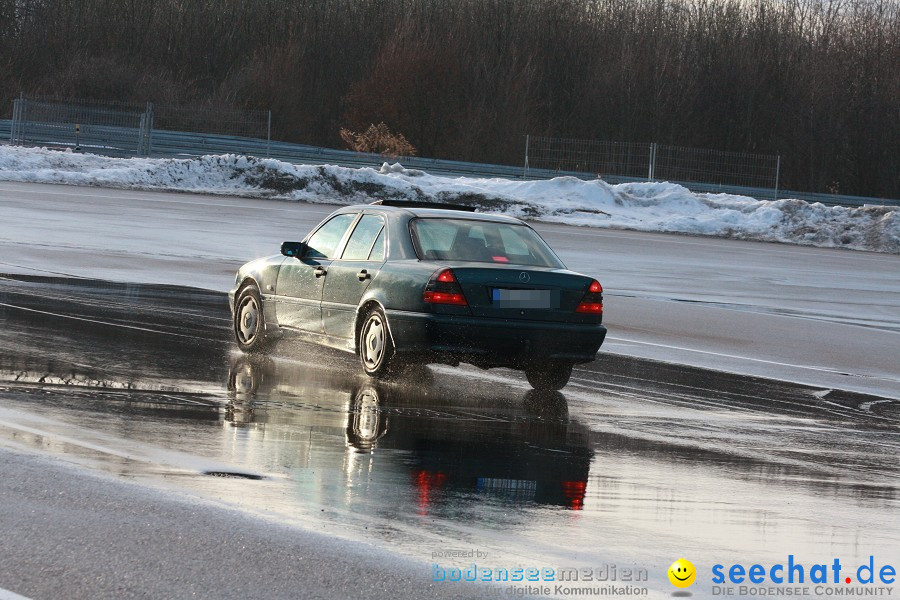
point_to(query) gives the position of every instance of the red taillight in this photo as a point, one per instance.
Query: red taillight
(594, 308)
(592, 302)
(444, 289)
(442, 298)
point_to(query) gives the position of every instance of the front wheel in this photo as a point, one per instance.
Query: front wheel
(547, 377)
(249, 323)
(376, 348)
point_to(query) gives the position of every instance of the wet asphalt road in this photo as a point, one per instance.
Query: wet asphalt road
(818, 316)
(635, 463)
(70, 534)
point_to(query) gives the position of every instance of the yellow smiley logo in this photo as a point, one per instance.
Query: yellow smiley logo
(682, 573)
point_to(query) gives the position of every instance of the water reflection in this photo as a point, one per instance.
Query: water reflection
(449, 445)
(147, 384)
(366, 423)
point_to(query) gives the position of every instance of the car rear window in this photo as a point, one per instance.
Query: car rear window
(481, 241)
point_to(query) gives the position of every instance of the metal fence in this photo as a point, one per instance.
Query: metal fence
(676, 163)
(653, 162)
(627, 159)
(104, 127)
(123, 129)
(186, 144)
(210, 119)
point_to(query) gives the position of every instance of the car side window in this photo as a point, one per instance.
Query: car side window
(377, 252)
(363, 237)
(324, 242)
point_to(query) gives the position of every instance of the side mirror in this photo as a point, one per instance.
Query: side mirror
(294, 249)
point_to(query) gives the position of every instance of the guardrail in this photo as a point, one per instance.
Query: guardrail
(180, 144)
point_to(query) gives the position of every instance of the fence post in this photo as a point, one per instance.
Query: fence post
(777, 175)
(149, 145)
(525, 170)
(15, 120)
(142, 132)
(652, 166)
(269, 134)
(23, 117)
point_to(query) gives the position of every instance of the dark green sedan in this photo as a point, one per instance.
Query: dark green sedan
(406, 284)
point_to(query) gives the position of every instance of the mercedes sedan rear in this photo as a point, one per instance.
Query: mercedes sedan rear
(406, 284)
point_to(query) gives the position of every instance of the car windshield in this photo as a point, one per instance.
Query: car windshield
(481, 241)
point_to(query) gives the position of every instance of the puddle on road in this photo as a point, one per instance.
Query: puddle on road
(617, 469)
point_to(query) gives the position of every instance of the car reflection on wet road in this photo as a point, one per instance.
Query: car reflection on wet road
(635, 463)
(446, 451)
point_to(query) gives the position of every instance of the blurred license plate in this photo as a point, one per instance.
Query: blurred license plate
(504, 298)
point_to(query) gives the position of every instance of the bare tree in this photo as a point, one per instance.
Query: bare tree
(813, 80)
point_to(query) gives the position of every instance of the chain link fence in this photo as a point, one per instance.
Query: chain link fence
(587, 156)
(104, 127)
(183, 144)
(218, 121)
(719, 167)
(120, 128)
(653, 162)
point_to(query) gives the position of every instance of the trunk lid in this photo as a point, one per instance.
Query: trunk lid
(521, 293)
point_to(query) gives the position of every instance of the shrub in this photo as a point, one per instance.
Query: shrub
(378, 139)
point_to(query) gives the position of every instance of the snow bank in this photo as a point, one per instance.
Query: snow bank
(640, 206)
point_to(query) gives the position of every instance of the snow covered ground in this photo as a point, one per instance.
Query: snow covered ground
(652, 206)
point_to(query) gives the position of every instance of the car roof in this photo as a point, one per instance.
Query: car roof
(436, 213)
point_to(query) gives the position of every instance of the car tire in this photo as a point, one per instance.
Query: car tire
(376, 348)
(549, 377)
(249, 323)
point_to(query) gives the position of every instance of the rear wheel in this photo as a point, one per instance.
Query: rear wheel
(249, 322)
(376, 349)
(550, 376)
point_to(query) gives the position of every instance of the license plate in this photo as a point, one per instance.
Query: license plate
(506, 298)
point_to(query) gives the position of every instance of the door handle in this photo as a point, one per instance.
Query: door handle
(320, 271)
(363, 275)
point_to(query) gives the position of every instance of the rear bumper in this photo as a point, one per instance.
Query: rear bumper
(493, 342)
